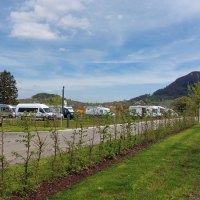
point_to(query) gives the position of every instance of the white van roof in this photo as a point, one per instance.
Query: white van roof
(32, 105)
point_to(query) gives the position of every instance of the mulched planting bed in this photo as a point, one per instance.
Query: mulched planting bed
(50, 188)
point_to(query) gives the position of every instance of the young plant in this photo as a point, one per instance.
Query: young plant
(71, 148)
(102, 131)
(57, 165)
(91, 140)
(4, 165)
(27, 140)
(40, 144)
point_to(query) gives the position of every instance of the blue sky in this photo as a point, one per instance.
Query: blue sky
(103, 50)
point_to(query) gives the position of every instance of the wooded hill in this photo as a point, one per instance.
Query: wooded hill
(179, 87)
(176, 89)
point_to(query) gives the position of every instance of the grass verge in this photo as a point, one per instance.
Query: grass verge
(169, 169)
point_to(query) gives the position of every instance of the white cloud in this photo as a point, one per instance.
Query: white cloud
(69, 21)
(139, 16)
(46, 18)
(120, 17)
(107, 18)
(21, 17)
(62, 49)
(34, 31)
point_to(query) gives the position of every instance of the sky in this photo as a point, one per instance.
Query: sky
(99, 50)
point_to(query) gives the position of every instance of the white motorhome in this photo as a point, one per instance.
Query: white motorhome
(158, 111)
(7, 110)
(140, 111)
(99, 110)
(143, 111)
(40, 111)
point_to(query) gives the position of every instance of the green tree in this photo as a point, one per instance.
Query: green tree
(194, 92)
(183, 105)
(54, 101)
(194, 95)
(8, 89)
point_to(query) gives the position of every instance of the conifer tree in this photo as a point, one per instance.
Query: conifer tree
(8, 89)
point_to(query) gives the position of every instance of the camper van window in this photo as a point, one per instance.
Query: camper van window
(41, 110)
(5, 109)
(47, 110)
(27, 110)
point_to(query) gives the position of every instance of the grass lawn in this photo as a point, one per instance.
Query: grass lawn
(16, 125)
(169, 169)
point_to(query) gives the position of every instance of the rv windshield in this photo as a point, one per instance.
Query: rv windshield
(47, 110)
(154, 110)
(163, 111)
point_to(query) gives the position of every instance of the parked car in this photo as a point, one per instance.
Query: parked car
(67, 111)
(57, 111)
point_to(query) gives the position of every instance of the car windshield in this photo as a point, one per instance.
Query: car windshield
(107, 111)
(47, 110)
(70, 109)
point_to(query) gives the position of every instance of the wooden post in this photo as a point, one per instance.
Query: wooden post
(68, 120)
(199, 113)
(1, 121)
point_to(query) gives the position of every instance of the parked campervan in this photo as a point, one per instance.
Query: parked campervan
(143, 111)
(7, 110)
(99, 110)
(39, 111)
(139, 111)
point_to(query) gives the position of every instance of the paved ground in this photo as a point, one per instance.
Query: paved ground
(12, 144)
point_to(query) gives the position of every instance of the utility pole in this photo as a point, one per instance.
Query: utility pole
(63, 101)
(63, 96)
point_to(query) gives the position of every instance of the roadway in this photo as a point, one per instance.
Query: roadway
(12, 144)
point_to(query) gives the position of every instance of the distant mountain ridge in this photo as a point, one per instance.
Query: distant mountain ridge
(179, 87)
